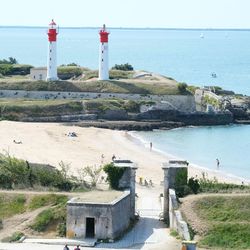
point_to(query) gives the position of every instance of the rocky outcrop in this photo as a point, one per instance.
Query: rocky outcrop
(194, 118)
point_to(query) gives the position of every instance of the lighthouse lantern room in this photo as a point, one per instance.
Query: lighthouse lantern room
(103, 55)
(51, 63)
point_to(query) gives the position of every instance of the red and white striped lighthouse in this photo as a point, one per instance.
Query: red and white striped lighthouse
(51, 61)
(103, 55)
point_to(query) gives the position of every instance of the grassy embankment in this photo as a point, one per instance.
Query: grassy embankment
(16, 109)
(53, 216)
(228, 219)
(121, 82)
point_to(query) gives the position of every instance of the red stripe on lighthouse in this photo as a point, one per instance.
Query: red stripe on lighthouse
(104, 36)
(52, 35)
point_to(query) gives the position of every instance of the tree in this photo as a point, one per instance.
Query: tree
(93, 173)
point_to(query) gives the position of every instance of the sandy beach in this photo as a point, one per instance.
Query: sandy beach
(49, 143)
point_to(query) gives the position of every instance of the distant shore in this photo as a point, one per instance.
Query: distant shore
(50, 143)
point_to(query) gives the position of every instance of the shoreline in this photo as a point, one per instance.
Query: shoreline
(194, 170)
(49, 143)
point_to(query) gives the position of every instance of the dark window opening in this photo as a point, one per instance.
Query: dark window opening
(90, 227)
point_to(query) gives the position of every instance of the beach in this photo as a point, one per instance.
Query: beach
(51, 143)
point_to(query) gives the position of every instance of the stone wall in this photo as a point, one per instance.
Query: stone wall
(181, 102)
(111, 219)
(176, 221)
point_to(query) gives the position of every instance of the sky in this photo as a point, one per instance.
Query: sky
(128, 13)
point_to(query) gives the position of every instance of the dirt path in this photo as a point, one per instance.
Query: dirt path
(19, 223)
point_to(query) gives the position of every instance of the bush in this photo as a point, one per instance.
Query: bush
(14, 237)
(68, 72)
(194, 185)
(114, 175)
(182, 87)
(6, 69)
(10, 61)
(61, 229)
(43, 220)
(125, 67)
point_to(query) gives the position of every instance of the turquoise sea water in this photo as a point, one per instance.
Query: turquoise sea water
(202, 145)
(180, 54)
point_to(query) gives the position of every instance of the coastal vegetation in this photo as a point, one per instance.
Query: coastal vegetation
(114, 174)
(124, 67)
(112, 86)
(18, 109)
(227, 220)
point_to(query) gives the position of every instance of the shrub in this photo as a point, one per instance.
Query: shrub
(182, 87)
(10, 61)
(61, 229)
(68, 72)
(14, 237)
(194, 185)
(43, 220)
(114, 175)
(125, 67)
(6, 69)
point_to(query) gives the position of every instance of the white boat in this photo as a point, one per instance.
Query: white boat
(202, 35)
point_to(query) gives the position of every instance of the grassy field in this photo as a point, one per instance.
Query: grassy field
(163, 86)
(228, 220)
(15, 109)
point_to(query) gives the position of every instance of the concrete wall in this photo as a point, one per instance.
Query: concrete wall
(180, 102)
(176, 221)
(111, 219)
(170, 172)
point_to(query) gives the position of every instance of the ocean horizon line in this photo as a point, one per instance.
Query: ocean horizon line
(125, 28)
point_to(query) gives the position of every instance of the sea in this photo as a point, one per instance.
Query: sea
(190, 56)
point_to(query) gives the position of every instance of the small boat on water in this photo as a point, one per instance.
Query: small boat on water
(202, 35)
(214, 75)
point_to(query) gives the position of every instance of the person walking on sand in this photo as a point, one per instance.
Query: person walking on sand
(218, 163)
(151, 145)
(77, 248)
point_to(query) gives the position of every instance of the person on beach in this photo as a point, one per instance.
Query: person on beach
(218, 163)
(102, 158)
(151, 145)
(113, 158)
(77, 248)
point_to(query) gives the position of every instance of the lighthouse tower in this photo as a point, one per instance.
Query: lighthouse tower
(103, 55)
(51, 63)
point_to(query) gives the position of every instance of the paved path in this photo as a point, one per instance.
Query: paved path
(149, 230)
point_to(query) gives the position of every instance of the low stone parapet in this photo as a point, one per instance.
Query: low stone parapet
(175, 218)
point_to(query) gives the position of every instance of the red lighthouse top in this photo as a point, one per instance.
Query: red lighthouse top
(104, 35)
(52, 32)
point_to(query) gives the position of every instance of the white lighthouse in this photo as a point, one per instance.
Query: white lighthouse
(103, 55)
(51, 63)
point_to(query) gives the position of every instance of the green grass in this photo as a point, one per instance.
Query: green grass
(55, 216)
(43, 220)
(228, 236)
(225, 209)
(14, 109)
(11, 205)
(228, 218)
(112, 86)
(44, 200)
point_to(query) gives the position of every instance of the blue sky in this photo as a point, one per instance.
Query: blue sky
(128, 13)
